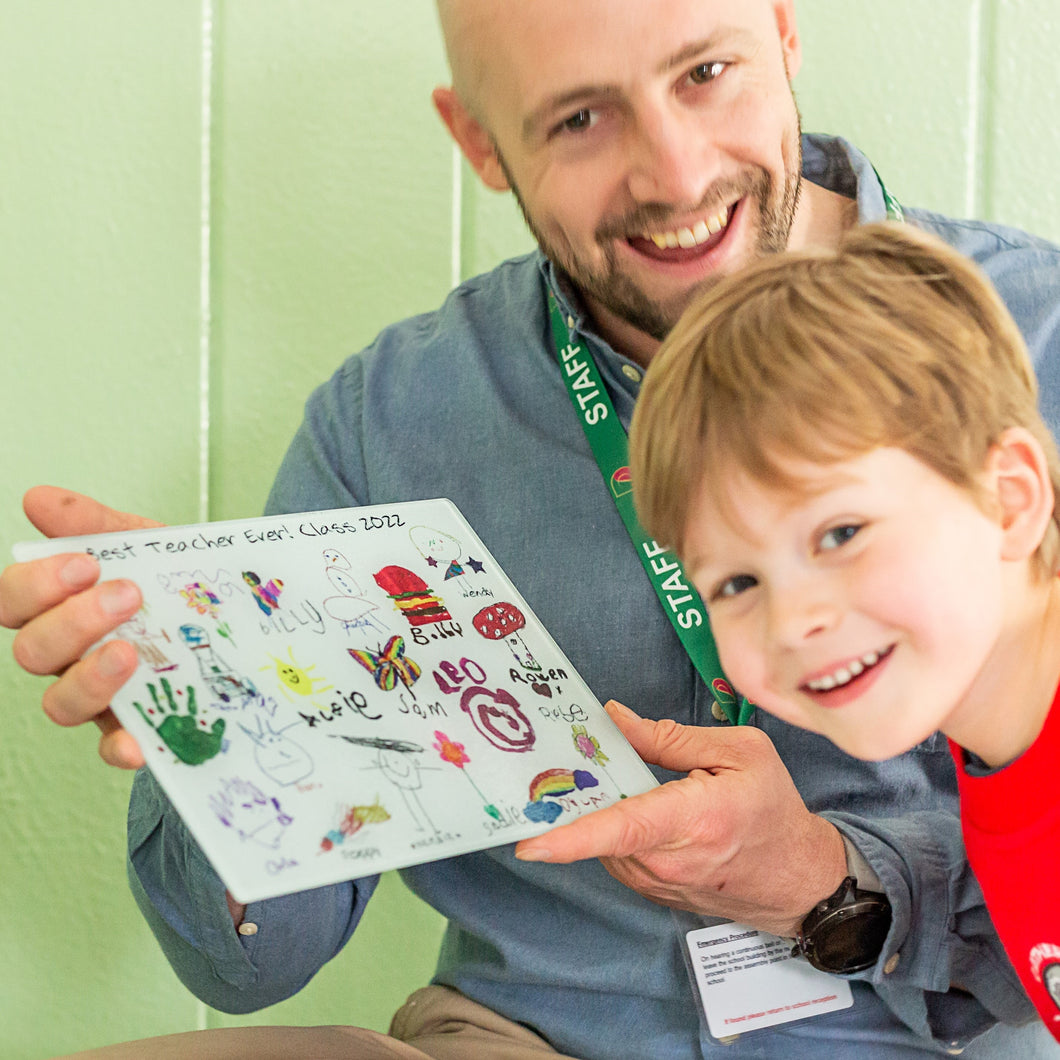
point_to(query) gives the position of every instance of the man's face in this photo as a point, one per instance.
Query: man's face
(652, 144)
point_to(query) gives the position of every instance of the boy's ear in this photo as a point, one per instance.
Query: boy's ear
(1018, 472)
(472, 138)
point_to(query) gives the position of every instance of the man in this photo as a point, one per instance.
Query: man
(653, 144)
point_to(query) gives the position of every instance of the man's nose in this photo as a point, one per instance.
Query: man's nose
(670, 158)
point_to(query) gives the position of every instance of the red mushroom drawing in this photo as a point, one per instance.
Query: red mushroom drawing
(502, 621)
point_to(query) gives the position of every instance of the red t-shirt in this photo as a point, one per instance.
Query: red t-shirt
(1011, 824)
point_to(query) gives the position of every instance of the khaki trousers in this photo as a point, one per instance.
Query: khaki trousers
(436, 1023)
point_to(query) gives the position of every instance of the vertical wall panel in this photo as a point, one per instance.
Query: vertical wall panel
(1023, 116)
(897, 79)
(98, 331)
(332, 190)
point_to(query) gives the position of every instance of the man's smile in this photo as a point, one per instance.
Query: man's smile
(685, 241)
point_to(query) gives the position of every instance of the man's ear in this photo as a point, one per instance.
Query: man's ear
(790, 42)
(1018, 474)
(471, 138)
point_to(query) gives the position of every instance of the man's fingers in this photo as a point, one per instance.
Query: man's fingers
(56, 639)
(86, 688)
(639, 823)
(57, 512)
(683, 748)
(27, 589)
(116, 746)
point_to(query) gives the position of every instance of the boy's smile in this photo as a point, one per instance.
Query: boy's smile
(864, 608)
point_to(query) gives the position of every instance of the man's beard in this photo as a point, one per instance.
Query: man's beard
(619, 293)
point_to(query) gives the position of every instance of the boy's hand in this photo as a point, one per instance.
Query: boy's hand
(731, 839)
(60, 612)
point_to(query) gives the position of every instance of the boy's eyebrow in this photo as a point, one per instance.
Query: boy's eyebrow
(724, 37)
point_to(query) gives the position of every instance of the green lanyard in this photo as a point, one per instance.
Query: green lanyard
(610, 446)
(607, 439)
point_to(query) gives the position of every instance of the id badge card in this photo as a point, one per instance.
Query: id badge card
(747, 980)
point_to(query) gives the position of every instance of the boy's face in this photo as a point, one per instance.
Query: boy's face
(865, 609)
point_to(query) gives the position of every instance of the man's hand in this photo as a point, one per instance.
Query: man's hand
(60, 612)
(732, 839)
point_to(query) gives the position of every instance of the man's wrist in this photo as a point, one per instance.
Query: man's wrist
(860, 869)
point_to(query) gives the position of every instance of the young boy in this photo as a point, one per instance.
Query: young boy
(844, 448)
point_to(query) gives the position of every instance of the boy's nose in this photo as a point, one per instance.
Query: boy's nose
(802, 611)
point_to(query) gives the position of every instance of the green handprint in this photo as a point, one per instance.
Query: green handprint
(180, 730)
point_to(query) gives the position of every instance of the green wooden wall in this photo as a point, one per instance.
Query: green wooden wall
(294, 140)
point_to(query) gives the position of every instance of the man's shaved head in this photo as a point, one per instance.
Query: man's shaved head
(464, 24)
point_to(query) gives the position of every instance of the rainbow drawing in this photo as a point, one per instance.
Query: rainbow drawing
(554, 783)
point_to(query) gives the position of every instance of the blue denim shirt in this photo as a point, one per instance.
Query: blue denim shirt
(467, 403)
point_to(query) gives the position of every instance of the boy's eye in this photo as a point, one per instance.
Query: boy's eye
(706, 72)
(579, 121)
(738, 583)
(838, 535)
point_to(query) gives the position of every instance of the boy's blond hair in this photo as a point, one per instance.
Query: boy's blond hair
(893, 339)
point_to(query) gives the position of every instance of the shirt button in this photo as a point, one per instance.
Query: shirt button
(247, 929)
(892, 963)
(570, 322)
(631, 373)
(718, 711)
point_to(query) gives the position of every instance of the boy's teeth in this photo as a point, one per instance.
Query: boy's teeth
(687, 238)
(845, 674)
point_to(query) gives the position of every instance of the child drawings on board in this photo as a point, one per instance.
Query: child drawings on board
(297, 679)
(436, 547)
(250, 813)
(396, 759)
(195, 588)
(503, 621)
(554, 784)
(352, 820)
(589, 747)
(389, 665)
(220, 678)
(497, 716)
(147, 642)
(412, 596)
(181, 727)
(280, 758)
(452, 752)
(351, 608)
(266, 594)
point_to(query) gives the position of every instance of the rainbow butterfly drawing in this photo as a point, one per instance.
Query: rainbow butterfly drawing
(389, 665)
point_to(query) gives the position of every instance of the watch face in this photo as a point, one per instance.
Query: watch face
(851, 943)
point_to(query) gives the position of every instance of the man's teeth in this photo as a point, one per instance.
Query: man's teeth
(845, 674)
(687, 238)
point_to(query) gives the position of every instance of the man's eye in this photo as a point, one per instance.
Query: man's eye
(706, 72)
(733, 586)
(579, 122)
(838, 535)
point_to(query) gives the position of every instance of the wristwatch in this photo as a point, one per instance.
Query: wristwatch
(846, 932)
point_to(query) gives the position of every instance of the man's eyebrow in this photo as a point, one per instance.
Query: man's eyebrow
(562, 101)
(721, 39)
